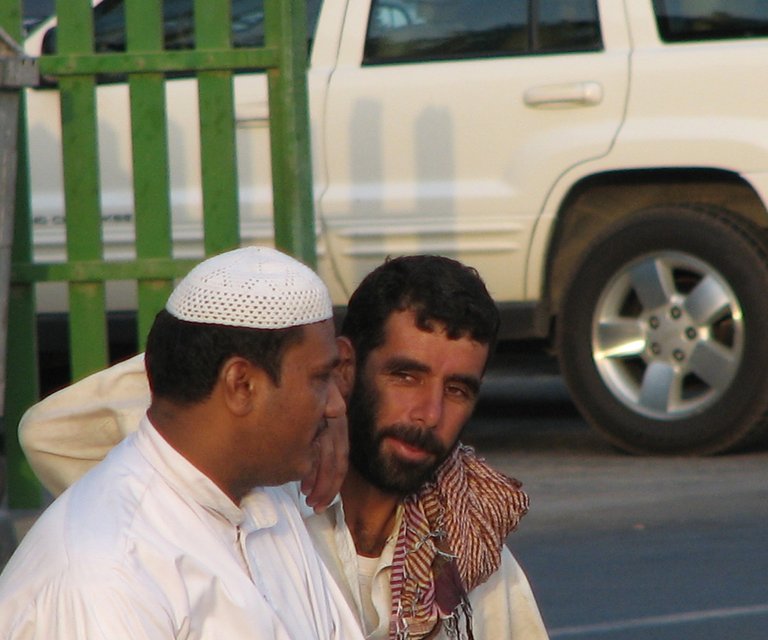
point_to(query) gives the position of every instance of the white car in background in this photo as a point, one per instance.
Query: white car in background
(603, 164)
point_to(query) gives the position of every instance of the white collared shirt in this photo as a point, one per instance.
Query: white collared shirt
(147, 547)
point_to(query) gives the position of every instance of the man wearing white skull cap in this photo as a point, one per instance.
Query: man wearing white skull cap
(182, 532)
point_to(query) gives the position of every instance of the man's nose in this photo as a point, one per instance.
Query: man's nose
(335, 406)
(427, 408)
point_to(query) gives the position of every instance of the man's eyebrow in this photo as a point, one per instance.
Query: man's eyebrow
(399, 363)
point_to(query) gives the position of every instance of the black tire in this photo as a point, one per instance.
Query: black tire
(663, 331)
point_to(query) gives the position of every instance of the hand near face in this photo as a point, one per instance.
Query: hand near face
(322, 484)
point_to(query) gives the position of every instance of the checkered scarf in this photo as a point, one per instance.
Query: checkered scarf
(449, 542)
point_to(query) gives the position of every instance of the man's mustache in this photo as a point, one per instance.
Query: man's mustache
(419, 437)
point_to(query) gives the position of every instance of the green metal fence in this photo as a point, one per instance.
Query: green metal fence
(75, 67)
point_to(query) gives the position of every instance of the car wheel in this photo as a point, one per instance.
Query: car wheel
(663, 331)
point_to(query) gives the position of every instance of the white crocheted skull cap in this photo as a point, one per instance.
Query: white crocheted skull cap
(255, 287)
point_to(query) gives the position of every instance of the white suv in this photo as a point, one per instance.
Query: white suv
(603, 163)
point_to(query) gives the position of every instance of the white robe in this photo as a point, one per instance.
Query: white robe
(145, 546)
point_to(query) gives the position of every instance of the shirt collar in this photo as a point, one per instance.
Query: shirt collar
(180, 473)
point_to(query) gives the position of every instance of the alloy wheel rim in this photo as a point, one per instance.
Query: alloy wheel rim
(668, 335)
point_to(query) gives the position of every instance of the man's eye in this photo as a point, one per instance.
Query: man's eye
(459, 391)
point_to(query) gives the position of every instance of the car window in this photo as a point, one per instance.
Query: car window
(426, 30)
(178, 23)
(34, 12)
(692, 20)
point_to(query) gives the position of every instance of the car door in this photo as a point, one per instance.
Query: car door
(448, 122)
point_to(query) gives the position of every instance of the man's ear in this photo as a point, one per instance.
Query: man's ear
(346, 368)
(239, 380)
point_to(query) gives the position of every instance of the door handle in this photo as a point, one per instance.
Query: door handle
(564, 95)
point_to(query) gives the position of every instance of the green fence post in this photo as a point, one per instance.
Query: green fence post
(213, 24)
(19, 359)
(286, 23)
(87, 300)
(144, 32)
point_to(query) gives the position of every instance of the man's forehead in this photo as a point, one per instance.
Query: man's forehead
(409, 317)
(406, 322)
(318, 343)
(403, 336)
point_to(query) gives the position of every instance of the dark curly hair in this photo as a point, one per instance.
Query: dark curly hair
(435, 288)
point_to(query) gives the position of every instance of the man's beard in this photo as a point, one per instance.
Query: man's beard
(387, 472)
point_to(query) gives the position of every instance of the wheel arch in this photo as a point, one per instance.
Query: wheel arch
(596, 201)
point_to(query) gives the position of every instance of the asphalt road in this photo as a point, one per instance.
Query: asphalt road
(620, 547)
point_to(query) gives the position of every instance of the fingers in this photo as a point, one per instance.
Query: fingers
(322, 485)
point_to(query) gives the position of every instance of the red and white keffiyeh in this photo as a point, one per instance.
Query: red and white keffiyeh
(449, 542)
